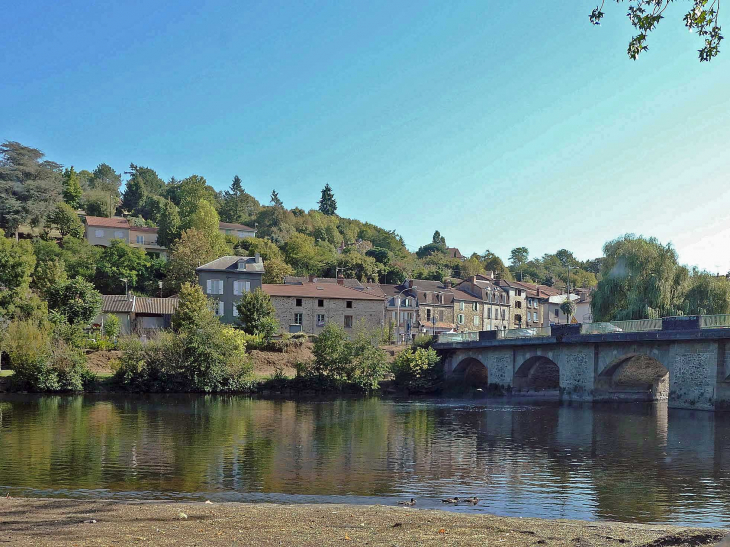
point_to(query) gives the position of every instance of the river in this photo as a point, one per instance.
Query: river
(629, 462)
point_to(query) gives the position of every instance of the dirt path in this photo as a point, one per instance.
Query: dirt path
(82, 523)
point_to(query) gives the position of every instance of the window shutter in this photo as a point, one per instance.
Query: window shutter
(248, 286)
(221, 309)
(208, 286)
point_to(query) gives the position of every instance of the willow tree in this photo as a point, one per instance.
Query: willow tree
(640, 279)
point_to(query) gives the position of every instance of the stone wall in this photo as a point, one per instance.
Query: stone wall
(469, 314)
(367, 312)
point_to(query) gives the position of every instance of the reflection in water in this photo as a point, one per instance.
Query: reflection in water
(629, 462)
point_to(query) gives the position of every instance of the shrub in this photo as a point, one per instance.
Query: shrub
(112, 327)
(417, 370)
(424, 341)
(42, 363)
(257, 314)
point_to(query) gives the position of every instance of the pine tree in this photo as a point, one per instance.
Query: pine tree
(328, 204)
(134, 195)
(72, 188)
(275, 201)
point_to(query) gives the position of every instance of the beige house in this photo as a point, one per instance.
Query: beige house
(309, 306)
(101, 231)
(238, 231)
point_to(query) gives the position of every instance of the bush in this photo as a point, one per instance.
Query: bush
(257, 314)
(42, 363)
(417, 370)
(424, 341)
(112, 326)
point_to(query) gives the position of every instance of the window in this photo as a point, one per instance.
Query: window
(461, 306)
(118, 234)
(214, 286)
(140, 240)
(475, 306)
(241, 234)
(428, 315)
(519, 292)
(502, 315)
(320, 320)
(348, 304)
(392, 315)
(518, 318)
(320, 303)
(489, 313)
(240, 287)
(518, 305)
(219, 309)
(348, 321)
(476, 320)
(235, 309)
(557, 312)
(534, 316)
(297, 318)
(460, 319)
(441, 315)
(299, 305)
(229, 232)
(99, 233)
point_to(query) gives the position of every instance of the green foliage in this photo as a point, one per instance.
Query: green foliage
(327, 203)
(492, 263)
(98, 203)
(168, 223)
(417, 370)
(72, 188)
(121, 261)
(40, 362)
(48, 273)
(423, 341)
(257, 314)
(518, 257)
(706, 295)
(193, 310)
(112, 326)
(17, 263)
(76, 300)
(65, 219)
(645, 15)
(438, 239)
(105, 180)
(237, 205)
(275, 200)
(568, 309)
(190, 251)
(431, 249)
(276, 270)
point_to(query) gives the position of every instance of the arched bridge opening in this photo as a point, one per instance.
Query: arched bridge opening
(634, 377)
(538, 373)
(472, 373)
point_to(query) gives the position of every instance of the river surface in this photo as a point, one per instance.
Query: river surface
(629, 462)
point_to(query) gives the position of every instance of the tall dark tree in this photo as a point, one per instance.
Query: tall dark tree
(238, 205)
(327, 203)
(438, 239)
(142, 182)
(275, 201)
(29, 187)
(134, 196)
(168, 225)
(105, 179)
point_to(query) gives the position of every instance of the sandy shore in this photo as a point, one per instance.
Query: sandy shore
(77, 522)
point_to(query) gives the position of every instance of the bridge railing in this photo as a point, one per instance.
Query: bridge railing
(714, 321)
(636, 325)
(528, 332)
(451, 337)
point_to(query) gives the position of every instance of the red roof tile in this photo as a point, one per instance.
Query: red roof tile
(114, 222)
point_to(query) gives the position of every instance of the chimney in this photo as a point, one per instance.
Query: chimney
(538, 292)
(447, 283)
(410, 284)
(473, 279)
(312, 278)
(340, 279)
(257, 258)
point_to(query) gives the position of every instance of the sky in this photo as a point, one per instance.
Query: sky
(500, 124)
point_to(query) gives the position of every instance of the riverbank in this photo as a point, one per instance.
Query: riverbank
(77, 522)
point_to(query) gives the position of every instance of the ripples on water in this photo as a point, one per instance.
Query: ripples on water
(631, 462)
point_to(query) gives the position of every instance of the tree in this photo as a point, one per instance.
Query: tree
(76, 300)
(48, 273)
(112, 326)
(168, 224)
(430, 250)
(518, 257)
(645, 15)
(237, 205)
(193, 249)
(383, 256)
(29, 187)
(301, 254)
(17, 263)
(106, 180)
(327, 203)
(72, 188)
(193, 310)
(438, 239)
(133, 196)
(275, 201)
(707, 295)
(492, 263)
(470, 267)
(257, 314)
(189, 192)
(98, 203)
(568, 308)
(204, 219)
(275, 271)
(64, 218)
(640, 279)
(120, 261)
(249, 246)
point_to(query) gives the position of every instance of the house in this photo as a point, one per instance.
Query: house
(401, 305)
(227, 278)
(581, 298)
(238, 231)
(453, 252)
(495, 301)
(435, 312)
(137, 314)
(101, 231)
(299, 280)
(309, 305)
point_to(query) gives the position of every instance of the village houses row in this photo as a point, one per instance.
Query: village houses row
(307, 304)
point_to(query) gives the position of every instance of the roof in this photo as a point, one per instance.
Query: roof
(318, 290)
(119, 303)
(460, 294)
(230, 263)
(113, 222)
(147, 229)
(295, 280)
(453, 252)
(232, 226)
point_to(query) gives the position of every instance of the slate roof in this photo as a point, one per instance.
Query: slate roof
(118, 303)
(299, 280)
(104, 222)
(318, 290)
(230, 263)
(453, 252)
(232, 226)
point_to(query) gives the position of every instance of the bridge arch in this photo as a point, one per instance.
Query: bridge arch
(634, 376)
(472, 372)
(537, 373)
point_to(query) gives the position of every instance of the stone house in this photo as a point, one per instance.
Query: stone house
(495, 301)
(309, 306)
(226, 279)
(401, 306)
(435, 313)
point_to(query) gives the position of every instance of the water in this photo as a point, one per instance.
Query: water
(630, 462)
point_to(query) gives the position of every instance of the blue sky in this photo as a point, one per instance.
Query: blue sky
(499, 124)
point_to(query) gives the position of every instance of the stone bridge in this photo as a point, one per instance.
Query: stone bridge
(688, 367)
